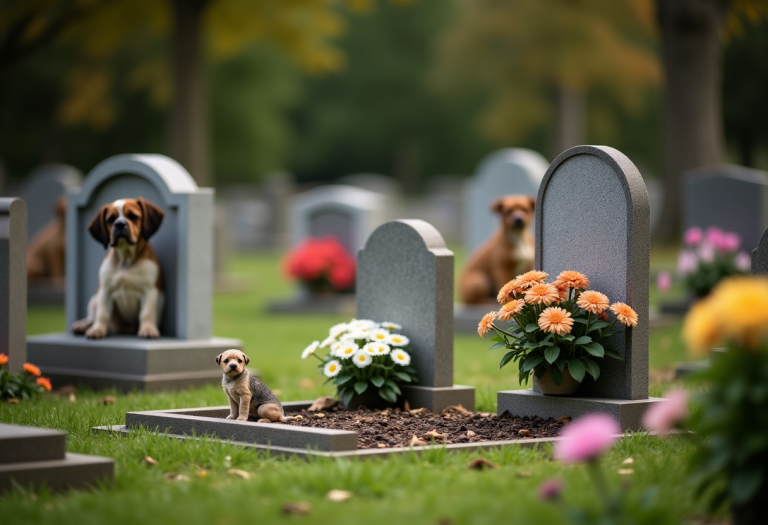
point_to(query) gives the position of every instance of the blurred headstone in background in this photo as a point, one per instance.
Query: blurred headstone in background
(760, 256)
(373, 182)
(656, 198)
(42, 188)
(503, 172)
(732, 198)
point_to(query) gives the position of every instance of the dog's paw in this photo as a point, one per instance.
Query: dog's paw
(96, 332)
(242, 418)
(149, 331)
(231, 416)
(79, 327)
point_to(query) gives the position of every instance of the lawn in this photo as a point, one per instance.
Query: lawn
(434, 488)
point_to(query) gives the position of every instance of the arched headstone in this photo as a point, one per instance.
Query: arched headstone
(42, 188)
(13, 282)
(183, 245)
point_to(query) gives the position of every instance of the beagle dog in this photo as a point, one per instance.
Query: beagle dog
(130, 294)
(508, 253)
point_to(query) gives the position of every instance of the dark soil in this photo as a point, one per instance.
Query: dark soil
(397, 428)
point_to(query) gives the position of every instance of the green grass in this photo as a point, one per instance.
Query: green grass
(410, 489)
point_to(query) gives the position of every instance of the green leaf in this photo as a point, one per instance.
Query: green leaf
(580, 320)
(577, 369)
(361, 386)
(497, 338)
(598, 325)
(584, 339)
(377, 381)
(497, 345)
(557, 375)
(591, 367)
(387, 394)
(346, 397)
(506, 359)
(568, 337)
(530, 362)
(613, 354)
(341, 380)
(551, 354)
(405, 378)
(531, 327)
(596, 349)
(530, 346)
(743, 483)
(393, 386)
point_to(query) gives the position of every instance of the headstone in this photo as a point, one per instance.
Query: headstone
(42, 188)
(13, 282)
(593, 217)
(760, 256)
(405, 275)
(183, 245)
(503, 172)
(732, 198)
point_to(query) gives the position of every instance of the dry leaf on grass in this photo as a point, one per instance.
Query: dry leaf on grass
(297, 507)
(72, 397)
(481, 464)
(455, 408)
(239, 473)
(338, 496)
(416, 442)
(628, 461)
(322, 403)
(13, 401)
(625, 471)
(201, 473)
(149, 460)
(108, 400)
(416, 411)
(319, 414)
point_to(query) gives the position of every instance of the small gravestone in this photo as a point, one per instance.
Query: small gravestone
(405, 275)
(593, 217)
(760, 256)
(183, 245)
(13, 282)
(732, 198)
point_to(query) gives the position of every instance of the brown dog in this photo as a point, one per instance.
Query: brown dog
(507, 254)
(247, 395)
(46, 250)
(130, 294)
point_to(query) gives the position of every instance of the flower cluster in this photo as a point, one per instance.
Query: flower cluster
(362, 353)
(556, 325)
(321, 261)
(22, 385)
(709, 256)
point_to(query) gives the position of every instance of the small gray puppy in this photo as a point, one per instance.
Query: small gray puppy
(248, 396)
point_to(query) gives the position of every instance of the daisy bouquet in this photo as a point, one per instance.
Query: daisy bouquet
(22, 385)
(557, 326)
(364, 354)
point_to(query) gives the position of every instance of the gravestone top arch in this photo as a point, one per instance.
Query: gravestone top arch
(43, 186)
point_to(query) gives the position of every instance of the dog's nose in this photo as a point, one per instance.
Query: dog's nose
(233, 366)
(518, 222)
(120, 224)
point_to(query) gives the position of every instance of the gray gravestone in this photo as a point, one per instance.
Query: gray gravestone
(503, 172)
(13, 282)
(183, 245)
(405, 275)
(42, 188)
(733, 198)
(760, 256)
(593, 217)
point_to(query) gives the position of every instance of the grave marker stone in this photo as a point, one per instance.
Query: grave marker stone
(42, 188)
(13, 282)
(760, 256)
(593, 217)
(183, 245)
(405, 275)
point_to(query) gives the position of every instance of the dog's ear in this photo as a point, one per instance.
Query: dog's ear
(152, 218)
(218, 359)
(497, 205)
(246, 359)
(98, 226)
(533, 202)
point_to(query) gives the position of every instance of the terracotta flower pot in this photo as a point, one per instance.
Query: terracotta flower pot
(547, 386)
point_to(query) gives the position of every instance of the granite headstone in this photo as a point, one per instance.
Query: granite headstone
(13, 282)
(760, 256)
(45, 185)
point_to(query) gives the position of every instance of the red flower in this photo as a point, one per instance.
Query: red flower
(316, 259)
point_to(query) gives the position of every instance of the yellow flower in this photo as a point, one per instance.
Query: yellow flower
(741, 307)
(702, 328)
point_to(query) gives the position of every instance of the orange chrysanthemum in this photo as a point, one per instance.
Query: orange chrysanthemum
(510, 309)
(3, 359)
(571, 279)
(485, 323)
(624, 313)
(44, 382)
(528, 279)
(543, 293)
(506, 292)
(31, 369)
(593, 301)
(556, 320)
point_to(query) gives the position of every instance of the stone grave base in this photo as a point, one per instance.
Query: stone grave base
(690, 367)
(466, 317)
(628, 412)
(318, 304)
(32, 456)
(45, 294)
(126, 362)
(435, 399)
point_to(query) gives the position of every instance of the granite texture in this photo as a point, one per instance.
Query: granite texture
(21, 444)
(435, 399)
(42, 188)
(593, 217)
(503, 172)
(628, 412)
(74, 471)
(733, 198)
(13, 282)
(760, 256)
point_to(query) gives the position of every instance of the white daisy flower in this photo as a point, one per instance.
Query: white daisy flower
(397, 340)
(389, 325)
(308, 351)
(401, 357)
(362, 359)
(327, 341)
(355, 335)
(337, 329)
(362, 324)
(376, 348)
(335, 347)
(347, 349)
(332, 368)
(379, 335)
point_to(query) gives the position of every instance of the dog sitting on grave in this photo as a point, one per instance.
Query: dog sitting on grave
(46, 250)
(130, 294)
(508, 253)
(248, 396)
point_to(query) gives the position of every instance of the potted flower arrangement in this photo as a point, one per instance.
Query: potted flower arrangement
(367, 361)
(708, 257)
(322, 264)
(22, 385)
(559, 331)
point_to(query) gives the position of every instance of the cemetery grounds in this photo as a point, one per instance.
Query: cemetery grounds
(435, 487)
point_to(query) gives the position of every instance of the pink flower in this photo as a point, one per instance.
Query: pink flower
(664, 415)
(663, 281)
(743, 261)
(693, 236)
(551, 489)
(687, 263)
(707, 252)
(714, 235)
(586, 438)
(729, 242)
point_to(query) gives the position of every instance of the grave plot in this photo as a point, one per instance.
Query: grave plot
(592, 216)
(183, 245)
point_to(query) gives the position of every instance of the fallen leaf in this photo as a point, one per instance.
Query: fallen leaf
(485, 414)
(433, 434)
(72, 397)
(239, 473)
(523, 474)
(322, 403)
(481, 464)
(626, 471)
(108, 400)
(298, 418)
(175, 476)
(381, 445)
(13, 401)
(338, 496)
(201, 473)
(628, 461)
(150, 460)
(306, 383)
(471, 434)
(298, 507)
(416, 411)
(455, 408)
(319, 414)
(416, 442)
(523, 432)
(406, 406)
(564, 419)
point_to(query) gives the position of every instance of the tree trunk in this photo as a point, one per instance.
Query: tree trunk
(569, 119)
(693, 127)
(188, 129)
